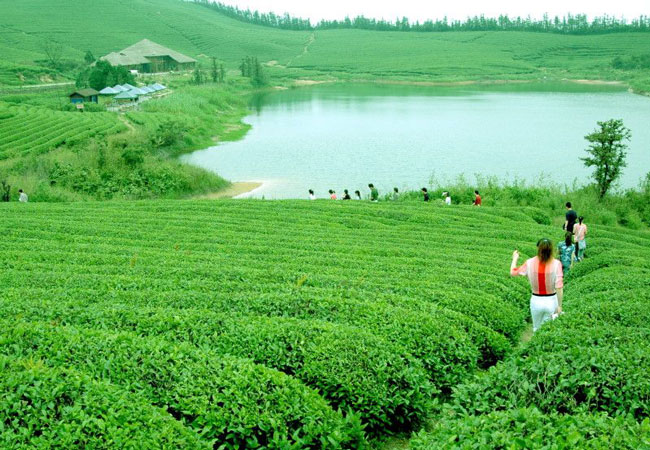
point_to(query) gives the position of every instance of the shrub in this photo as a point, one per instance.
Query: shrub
(227, 400)
(568, 371)
(528, 428)
(44, 407)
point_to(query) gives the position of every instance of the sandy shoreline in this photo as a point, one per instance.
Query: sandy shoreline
(304, 82)
(235, 189)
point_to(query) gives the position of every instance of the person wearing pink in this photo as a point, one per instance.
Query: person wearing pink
(546, 281)
(580, 231)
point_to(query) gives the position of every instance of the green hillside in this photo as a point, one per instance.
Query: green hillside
(103, 26)
(269, 324)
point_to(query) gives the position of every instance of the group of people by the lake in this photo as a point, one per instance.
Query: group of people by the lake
(395, 195)
(546, 273)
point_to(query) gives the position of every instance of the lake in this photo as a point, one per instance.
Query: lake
(338, 136)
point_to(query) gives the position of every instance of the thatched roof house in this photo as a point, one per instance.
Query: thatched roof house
(148, 57)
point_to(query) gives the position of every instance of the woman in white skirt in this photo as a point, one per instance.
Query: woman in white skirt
(580, 231)
(546, 281)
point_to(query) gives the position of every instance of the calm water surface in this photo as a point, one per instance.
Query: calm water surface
(345, 136)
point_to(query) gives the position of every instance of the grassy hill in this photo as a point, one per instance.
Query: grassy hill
(297, 323)
(103, 26)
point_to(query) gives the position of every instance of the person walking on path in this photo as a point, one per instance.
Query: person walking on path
(546, 282)
(580, 232)
(312, 196)
(447, 198)
(477, 199)
(357, 195)
(332, 194)
(395, 194)
(425, 193)
(571, 217)
(566, 251)
(346, 195)
(22, 197)
(374, 193)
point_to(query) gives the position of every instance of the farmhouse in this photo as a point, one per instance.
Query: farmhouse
(148, 57)
(84, 96)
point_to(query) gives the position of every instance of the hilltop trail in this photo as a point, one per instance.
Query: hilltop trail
(305, 50)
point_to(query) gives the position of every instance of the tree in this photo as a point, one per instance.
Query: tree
(222, 74)
(102, 74)
(258, 76)
(197, 78)
(5, 191)
(607, 150)
(89, 58)
(53, 52)
(215, 70)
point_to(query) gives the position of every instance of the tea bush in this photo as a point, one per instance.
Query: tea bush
(43, 407)
(226, 400)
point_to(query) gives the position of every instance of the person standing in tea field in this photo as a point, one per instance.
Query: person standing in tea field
(332, 194)
(374, 193)
(447, 198)
(580, 231)
(312, 196)
(546, 282)
(477, 199)
(346, 195)
(22, 197)
(357, 195)
(566, 251)
(425, 193)
(571, 217)
(395, 194)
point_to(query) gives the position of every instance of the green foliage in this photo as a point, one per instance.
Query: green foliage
(570, 24)
(168, 133)
(34, 130)
(632, 62)
(475, 54)
(44, 407)
(89, 58)
(6, 191)
(607, 153)
(103, 74)
(197, 76)
(225, 400)
(527, 428)
(133, 156)
(250, 67)
(582, 381)
(364, 319)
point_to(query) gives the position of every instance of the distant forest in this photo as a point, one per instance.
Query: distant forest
(570, 24)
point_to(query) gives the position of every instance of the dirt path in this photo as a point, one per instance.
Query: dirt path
(526, 335)
(235, 189)
(305, 50)
(126, 122)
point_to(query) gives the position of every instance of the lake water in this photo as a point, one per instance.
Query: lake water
(346, 136)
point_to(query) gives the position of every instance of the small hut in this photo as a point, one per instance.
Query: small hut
(84, 96)
(108, 91)
(126, 97)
